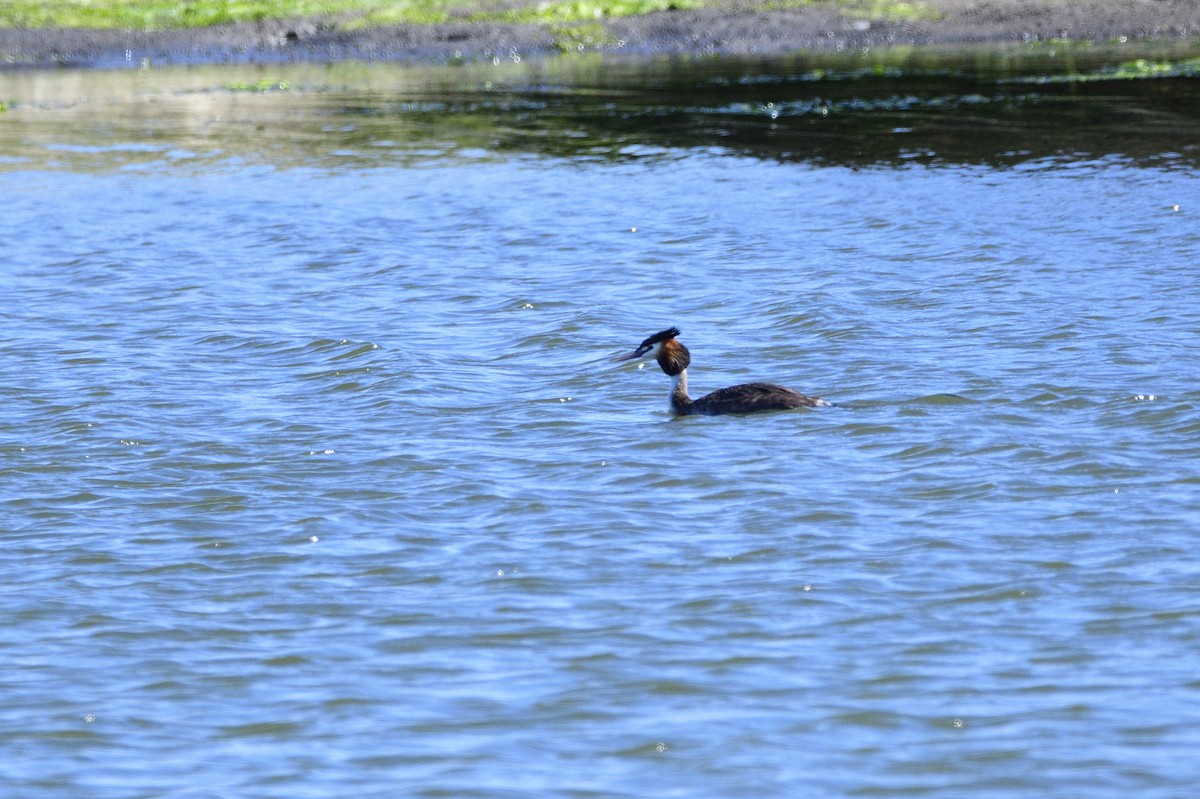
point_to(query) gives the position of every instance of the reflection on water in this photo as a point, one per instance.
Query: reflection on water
(992, 107)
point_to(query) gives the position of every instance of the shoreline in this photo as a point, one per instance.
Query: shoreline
(728, 27)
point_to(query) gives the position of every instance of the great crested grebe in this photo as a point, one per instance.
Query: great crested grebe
(674, 358)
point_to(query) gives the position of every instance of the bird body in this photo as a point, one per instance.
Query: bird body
(673, 358)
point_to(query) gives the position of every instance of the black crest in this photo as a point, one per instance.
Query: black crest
(661, 336)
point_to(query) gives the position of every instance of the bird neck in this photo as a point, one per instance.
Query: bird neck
(680, 401)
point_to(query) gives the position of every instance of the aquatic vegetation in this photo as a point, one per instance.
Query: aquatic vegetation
(1143, 68)
(1138, 69)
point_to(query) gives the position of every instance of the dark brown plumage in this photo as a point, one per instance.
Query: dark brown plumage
(746, 398)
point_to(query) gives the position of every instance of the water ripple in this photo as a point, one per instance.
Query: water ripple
(317, 469)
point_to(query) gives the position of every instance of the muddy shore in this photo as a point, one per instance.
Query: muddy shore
(733, 27)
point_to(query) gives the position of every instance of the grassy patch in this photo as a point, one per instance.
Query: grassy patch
(263, 85)
(580, 36)
(162, 14)
(156, 14)
(550, 11)
(411, 12)
(893, 10)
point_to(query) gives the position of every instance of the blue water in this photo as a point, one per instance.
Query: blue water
(318, 480)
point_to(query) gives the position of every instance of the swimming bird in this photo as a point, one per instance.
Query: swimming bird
(673, 358)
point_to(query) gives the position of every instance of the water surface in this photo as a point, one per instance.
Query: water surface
(317, 480)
